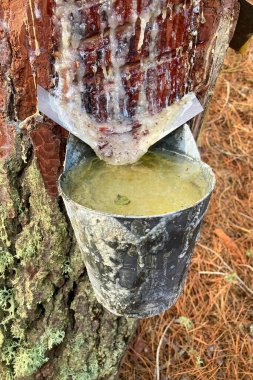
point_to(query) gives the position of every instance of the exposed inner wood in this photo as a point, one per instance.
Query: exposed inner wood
(121, 64)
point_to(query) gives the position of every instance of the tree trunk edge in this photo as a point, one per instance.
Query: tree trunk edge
(225, 33)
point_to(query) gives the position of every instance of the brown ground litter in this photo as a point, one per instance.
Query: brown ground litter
(208, 334)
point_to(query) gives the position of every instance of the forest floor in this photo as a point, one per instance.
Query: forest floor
(208, 334)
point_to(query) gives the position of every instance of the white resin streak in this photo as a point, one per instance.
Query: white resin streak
(118, 145)
(126, 148)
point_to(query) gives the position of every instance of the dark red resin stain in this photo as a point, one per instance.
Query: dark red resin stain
(173, 71)
(49, 142)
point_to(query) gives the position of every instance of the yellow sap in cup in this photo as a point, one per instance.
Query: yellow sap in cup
(159, 183)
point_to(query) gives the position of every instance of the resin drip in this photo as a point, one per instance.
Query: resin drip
(159, 183)
(120, 66)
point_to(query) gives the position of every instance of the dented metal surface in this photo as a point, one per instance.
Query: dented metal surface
(137, 265)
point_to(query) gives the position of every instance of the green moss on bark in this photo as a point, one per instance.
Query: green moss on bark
(51, 326)
(46, 222)
(28, 360)
(98, 341)
(31, 263)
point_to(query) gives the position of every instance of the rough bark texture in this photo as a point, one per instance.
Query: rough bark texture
(51, 326)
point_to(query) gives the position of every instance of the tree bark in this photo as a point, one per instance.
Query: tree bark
(51, 326)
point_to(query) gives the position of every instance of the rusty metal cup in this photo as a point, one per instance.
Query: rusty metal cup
(138, 265)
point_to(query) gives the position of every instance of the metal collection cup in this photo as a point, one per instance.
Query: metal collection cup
(137, 265)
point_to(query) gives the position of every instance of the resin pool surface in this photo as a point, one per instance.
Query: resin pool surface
(159, 183)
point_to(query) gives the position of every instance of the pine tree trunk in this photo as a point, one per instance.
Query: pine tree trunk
(51, 326)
